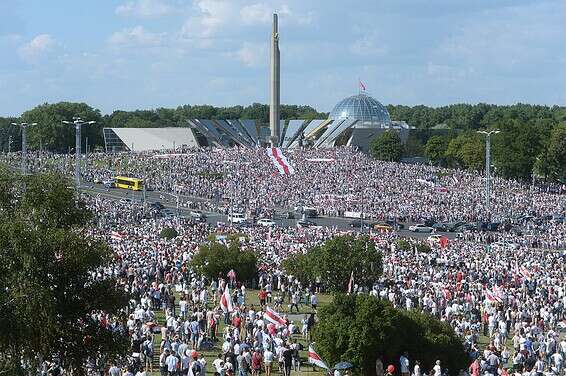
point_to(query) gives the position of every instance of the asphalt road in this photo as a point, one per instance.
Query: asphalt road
(169, 200)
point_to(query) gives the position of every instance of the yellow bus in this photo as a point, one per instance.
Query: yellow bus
(125, 182)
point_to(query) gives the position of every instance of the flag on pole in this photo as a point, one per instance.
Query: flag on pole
(362, 86)
(351, 283)
(226, 301)
(280, 161)
(273, 317)
(314, 358)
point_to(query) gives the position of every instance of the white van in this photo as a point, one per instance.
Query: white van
(236, 218)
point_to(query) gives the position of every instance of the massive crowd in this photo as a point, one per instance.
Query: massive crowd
(506, 287)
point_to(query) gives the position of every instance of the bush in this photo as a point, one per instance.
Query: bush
(423, 247)
(216, 258)
(334, 260)
(168, 233)
(358, 328)
(403, 245)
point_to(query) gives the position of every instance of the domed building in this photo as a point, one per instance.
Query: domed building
(367, 110)
(353, 121)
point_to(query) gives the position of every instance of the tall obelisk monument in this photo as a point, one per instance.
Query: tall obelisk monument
(274, 83)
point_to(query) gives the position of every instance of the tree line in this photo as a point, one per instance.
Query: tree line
(531, 139)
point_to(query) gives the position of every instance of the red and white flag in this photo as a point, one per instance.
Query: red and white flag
(273, 317)
(362, 86)
(280, 161)
(526, 273)
(351, 283)
(226, 301)
(491, 297)
(116, 235)
(314, 358)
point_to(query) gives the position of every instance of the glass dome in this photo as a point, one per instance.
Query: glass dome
(361, 107)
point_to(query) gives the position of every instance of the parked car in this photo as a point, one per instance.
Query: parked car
(198, 216)
(236, 218)
(420, 228)
(305, 223)
(157, 205)
(443, 227)
(358, 224)
(265, 222)
(382, 227)
(466, 227)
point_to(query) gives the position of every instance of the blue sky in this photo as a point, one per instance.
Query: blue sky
(141, 54)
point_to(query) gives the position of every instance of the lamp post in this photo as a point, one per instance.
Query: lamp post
(24, 126)
(488, 165)
(78, 123)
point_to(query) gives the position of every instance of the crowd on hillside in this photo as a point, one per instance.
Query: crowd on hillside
(334, 181)
(512, 294)
(507, 287)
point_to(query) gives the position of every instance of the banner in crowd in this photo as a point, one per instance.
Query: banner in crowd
(315, 359)
(273, 317)
(226, 301)
(280, 161)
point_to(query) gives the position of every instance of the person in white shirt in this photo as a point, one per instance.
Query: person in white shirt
(437, 369)
(171, 361)
(417, 369)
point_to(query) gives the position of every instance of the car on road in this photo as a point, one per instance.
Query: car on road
(265, 222)
(246, 223)
(466, 227)
(382, 227)
(157, 205)
(357, 224)
(396, 225)
(236, 218)
(420, 228)
(443, 227)
(504, 245)
(198, 216)
(168, 213)
(305, 223)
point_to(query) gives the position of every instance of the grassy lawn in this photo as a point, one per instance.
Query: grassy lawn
(251, 298)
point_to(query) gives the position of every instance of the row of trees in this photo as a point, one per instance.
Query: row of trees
(518, 151)
(52, 134)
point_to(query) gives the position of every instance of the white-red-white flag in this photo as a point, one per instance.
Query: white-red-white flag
(280, 161)
(226, 301)
(351, 283)
(273, 317)
(491, 297)
(314, 358)
(116, 235)
(362, 86)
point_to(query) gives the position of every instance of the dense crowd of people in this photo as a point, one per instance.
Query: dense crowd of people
(509, 288)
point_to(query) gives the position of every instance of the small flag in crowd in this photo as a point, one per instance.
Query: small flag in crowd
(116, 235)
(280, 161)
(351, 283)
(315, 359)
(273, 317)
(226, 301)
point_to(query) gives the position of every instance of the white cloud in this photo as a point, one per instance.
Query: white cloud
(212, 16)
(252, 54)
(135, 36)
(37, 47)
(144, 8)
(256, 13)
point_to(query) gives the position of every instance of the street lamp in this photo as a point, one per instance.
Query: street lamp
(24, 126)
(488, 164)
(78, 123)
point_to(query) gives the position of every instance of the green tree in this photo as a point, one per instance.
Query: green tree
(557, 153)
(334, 260)
(216, 259)
(53, 134)
(358, 328)
(168, 233)
(387, 146)
(467, 150)
(435, 149)
(48, 293)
